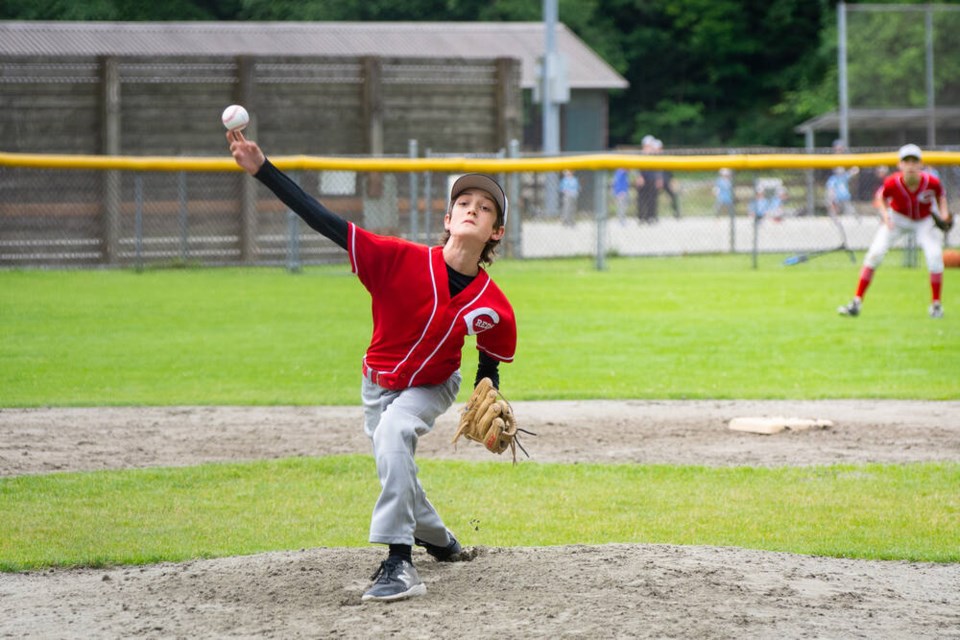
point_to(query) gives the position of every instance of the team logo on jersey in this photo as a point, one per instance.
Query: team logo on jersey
(479, 320)
(927, 197)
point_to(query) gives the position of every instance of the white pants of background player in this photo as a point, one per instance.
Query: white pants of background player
(394, 421)
(925, 232)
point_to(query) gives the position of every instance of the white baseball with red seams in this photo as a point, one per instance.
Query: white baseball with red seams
(235, 117)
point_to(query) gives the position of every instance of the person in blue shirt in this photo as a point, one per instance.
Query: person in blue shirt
(768, 203)
(570, 193)
(621, 193)
(723, 194)
(839, 199)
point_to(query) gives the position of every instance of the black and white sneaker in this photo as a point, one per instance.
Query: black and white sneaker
(852, 309)
(396, 579)
(441, 554)
(936, 310)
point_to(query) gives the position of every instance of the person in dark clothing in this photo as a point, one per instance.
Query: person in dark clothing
(648, 185)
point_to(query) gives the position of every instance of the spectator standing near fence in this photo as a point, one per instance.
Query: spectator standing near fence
(838, 196)
(904, 202)
(723, 194)
(839, 199)
(648, 185)
(621, 193)
(569, 196)
(669, 185)
(768, 201)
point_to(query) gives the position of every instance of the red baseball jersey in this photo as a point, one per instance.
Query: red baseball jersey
(913, 204)
(418, 329)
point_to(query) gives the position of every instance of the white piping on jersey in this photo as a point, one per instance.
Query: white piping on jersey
(453, 323)
(426, 326)
(433, 279)
(499, 357)
(352, 253)
(355, 268)
(914, 212)
(353, 248)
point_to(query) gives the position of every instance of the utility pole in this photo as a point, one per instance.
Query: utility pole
(551, 108)
(553, 91)
(842, 73)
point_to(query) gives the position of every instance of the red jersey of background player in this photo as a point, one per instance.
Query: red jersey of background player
(418, 330)
(914, 204)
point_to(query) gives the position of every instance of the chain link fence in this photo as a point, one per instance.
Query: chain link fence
(78, 218)
(903, 56)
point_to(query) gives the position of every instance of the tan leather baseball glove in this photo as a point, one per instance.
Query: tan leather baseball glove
(488, 418)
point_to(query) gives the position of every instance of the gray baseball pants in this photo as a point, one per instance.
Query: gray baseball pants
(394, 421)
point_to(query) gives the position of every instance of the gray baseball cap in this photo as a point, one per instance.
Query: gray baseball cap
(485, 183)
(910, 151)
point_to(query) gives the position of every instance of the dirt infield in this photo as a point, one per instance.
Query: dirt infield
(608, 591)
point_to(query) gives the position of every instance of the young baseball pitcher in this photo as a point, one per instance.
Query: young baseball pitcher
(425, 301)
(905, 202)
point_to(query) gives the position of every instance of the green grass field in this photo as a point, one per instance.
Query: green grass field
(152, 515)
(693, 327)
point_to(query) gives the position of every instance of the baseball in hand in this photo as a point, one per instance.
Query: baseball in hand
(235, 117)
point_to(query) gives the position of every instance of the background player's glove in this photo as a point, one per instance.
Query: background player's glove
(942, 224)
(488, 418)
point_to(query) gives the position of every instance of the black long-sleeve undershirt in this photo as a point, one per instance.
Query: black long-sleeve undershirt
(317, 216)
(488, 367)
(329, 224)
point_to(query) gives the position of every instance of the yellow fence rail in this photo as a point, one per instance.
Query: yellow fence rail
(94, 210)
(585, 162)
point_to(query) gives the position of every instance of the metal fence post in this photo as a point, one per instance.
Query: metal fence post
(811, 181)
(184, 233)
(414, 209)
(138, 219)
(514, 223)
(112, 180)
(733, 215)
(600, 206)
(293, 234)
(427, 200)
(502, 180)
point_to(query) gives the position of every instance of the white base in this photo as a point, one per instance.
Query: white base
(768, 426)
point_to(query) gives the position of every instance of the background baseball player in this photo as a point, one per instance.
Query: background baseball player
(905, 201)
(425, 301)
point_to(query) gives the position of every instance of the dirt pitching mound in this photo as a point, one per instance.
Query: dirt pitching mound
(606, 591)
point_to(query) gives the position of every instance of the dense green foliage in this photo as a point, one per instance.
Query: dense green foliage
(701, 72)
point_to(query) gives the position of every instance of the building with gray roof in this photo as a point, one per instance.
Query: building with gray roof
(583, 119)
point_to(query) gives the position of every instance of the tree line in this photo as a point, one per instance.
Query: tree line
(701, 72)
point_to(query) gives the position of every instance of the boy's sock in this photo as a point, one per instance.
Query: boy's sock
(402, 551)
(866, 275)
(936, 284)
